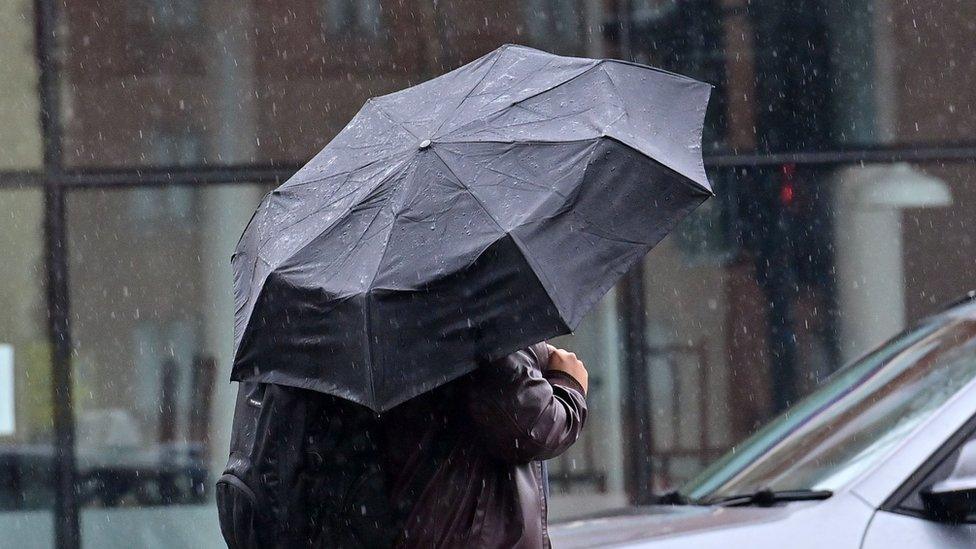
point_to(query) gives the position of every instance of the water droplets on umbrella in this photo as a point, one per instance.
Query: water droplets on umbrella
(472, 231)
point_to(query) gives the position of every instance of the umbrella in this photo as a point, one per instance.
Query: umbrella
(461, 219)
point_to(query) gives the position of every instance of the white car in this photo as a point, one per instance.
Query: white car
(882, 455)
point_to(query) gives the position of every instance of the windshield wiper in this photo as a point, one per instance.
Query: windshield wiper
(767, 497)
(675, 497)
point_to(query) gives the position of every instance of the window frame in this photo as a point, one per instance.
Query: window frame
(929, 473)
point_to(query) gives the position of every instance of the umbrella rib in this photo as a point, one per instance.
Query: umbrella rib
(684, 177)
(521, 247)
(468, 190)
(523, 180)
(381, 110)
(625, 115)
(304, 217)
(549, 119)
(340, 217)
(362, 238)
(331, 226)
(468, 95)
(268, 238)
(518, 82)
(613, 86)
(576, 191)
(386, 245)
(250, 299)
(321, 178)
(250, 221)
(530, 96)
(354, 190)
(528, 76)
(521, 142)
(257, 257)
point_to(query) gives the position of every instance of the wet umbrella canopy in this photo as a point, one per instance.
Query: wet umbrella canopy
(463, 218)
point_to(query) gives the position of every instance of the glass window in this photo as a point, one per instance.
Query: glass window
(791, 76)
(855, 420)
(152, 322)
(26, 431)
(353, 17)
(590, 476)
(958, 458)
(20, 140)
(270, 85)
(789, 273)
(555, 23)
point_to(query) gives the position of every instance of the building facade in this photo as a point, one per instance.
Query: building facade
(137, 137)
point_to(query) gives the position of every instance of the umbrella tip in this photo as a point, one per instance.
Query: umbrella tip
(425, 143)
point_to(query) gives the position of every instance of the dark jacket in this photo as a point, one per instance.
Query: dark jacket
(456, 467)
(465, 459)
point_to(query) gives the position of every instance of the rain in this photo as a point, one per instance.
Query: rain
(145, 143)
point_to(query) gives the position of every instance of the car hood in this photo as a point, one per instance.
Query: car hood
(704, 527)
(647, 523)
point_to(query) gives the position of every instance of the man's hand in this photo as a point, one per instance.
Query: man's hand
(565, 361)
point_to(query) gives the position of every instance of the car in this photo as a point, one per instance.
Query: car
(882, 455)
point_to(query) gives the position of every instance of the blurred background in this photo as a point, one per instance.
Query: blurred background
(137, 137)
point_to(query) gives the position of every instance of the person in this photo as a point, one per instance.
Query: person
(459, 466)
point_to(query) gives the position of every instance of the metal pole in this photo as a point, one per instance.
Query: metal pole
(633, 306)
(636, 405)
(67, 533)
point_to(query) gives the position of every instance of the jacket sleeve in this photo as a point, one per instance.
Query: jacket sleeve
(522, 412)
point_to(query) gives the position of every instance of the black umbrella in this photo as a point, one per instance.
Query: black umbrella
(463, 218)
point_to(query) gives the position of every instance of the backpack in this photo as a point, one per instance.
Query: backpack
(305, 470)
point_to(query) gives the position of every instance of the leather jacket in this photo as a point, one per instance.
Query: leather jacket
(459, 466)
(466, 459)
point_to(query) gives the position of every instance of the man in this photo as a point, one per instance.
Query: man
(459, 466)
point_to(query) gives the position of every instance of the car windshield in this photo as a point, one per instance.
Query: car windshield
(853, 420)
